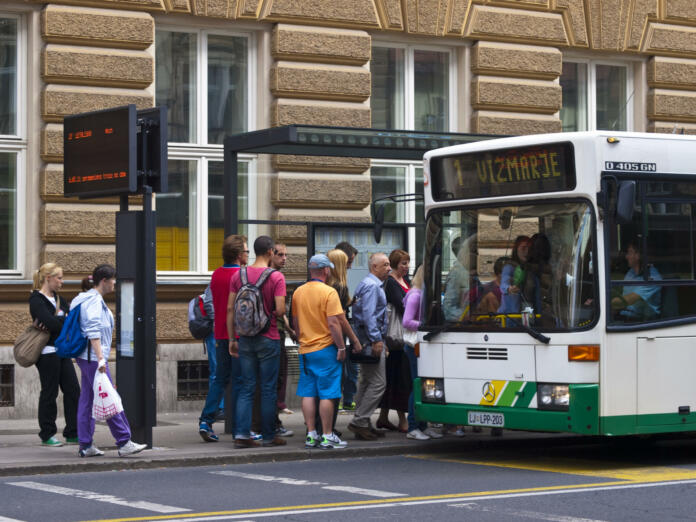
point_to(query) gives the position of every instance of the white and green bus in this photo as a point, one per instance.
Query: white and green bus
(560, 284)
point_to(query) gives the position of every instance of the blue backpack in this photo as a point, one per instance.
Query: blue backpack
(71, 342)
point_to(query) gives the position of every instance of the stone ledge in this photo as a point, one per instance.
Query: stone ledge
(61, 100)
(313, 44)
(321, 82)
(99, 67)
(525, 61)
(515, 95)
(515, 25)
(98, 27)
(500, 123)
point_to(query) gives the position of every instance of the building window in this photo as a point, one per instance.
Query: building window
(596, 96)
(7, 385)
(205, 81)
(192, 380)
(412, 88)
(12, 142)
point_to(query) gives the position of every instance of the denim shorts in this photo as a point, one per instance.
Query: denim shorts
(320, 374)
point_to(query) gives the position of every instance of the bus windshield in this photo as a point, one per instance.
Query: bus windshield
(508, 267)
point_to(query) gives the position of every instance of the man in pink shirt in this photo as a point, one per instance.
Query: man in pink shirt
(259, 355)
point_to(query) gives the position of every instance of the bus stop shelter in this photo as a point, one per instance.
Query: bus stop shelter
(310, 140)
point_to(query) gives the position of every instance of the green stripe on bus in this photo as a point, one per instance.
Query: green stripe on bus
(509, 393)
(525, 395)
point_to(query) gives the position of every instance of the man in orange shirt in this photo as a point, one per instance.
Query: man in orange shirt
(317, 317)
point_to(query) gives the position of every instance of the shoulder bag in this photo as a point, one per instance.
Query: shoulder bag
(395, 329)
(28, 346)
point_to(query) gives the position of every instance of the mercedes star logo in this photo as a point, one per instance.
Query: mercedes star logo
(488, 391)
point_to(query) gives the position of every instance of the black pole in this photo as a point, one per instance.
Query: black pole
(149, 317)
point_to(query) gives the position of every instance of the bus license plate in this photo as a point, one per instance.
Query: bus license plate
(480, 418)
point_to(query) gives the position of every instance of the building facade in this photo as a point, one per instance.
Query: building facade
(230, 66)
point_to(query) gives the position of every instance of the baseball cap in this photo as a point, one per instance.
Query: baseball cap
(320, 261)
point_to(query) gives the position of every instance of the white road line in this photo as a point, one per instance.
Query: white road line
(511, 513)
(323, 485)
(99, 497)
(5, 519)
(406, 502)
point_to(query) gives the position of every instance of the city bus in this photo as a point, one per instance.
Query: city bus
(560, 284)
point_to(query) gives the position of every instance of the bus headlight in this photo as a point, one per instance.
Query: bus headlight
(433, 390)
(553, 396)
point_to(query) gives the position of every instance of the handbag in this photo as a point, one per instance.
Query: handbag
(107, 402)
(395, 329)
(365, 356)
(31, 342)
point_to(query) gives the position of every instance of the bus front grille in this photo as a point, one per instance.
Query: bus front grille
(486, 353)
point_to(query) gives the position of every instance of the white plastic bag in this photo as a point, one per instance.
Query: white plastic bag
(107, 402)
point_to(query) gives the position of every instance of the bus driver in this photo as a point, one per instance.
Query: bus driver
(638, 303)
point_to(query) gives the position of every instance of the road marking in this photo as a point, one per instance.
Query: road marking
(587, 468)
(299, 482)
(99, 497)
(5, 519)
(511, 513)
(372, 504)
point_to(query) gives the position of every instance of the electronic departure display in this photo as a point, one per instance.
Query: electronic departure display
(100, 153)
(504, 172)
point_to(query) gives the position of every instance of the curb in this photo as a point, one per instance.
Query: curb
(245, 457)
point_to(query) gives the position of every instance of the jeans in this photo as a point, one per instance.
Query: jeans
(56, 372)
(212, 364)
(413, 363)
(350, 380)
(259, 359)
(227, 370)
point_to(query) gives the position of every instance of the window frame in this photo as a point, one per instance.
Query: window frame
(202, 152)
(591, 88)
(17, 144)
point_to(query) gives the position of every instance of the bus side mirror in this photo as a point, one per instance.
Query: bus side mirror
(379, 223)
(625, 202)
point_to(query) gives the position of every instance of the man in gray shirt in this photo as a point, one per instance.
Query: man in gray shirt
(370, 318)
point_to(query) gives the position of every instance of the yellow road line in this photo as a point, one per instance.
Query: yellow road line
(360, 502)
(587, 468)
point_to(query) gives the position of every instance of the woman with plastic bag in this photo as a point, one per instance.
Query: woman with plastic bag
(97, 325)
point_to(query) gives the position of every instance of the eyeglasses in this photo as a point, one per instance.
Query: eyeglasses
(245, 251)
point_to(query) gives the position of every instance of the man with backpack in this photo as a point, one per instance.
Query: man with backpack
(234, 255)
(256, 302)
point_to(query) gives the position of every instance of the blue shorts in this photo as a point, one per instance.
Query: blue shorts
(320, 374)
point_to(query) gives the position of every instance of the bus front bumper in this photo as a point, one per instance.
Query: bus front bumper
(581, 417)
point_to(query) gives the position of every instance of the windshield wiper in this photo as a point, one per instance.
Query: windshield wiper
(528, 329)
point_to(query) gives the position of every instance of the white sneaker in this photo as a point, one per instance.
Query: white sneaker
(332, 441)
(433, 433)
(459, 432)
(417, 435)
(130, 448)
(92, 451)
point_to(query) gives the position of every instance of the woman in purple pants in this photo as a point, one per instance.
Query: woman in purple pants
(97, 325)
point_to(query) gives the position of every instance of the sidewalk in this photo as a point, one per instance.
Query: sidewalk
(176, 443)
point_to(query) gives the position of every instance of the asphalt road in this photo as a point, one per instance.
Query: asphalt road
(617, 480)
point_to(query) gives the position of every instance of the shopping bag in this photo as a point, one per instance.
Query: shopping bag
(107, 402)
(410, 337)
(395, 329)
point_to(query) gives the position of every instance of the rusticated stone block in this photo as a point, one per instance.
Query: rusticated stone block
(61, 100)
(101, 67)
(51, 185)
(321, 191)
(503, 59)
(504, 24)
(672, 105)
(327, 45)
(670, 39)
(577, 22)
(292, 162)
(52, 142)
(172, 322)
(516, 95)
(669, 127)
(76, 223)
(680, 10)
(672, 73)
(390, 16)
(287, 112)
(78, 260)
(146, 5)
(14, 318)
(99, 27)
(511, 124)
(297, 234)
(322, 82)
(356, 13)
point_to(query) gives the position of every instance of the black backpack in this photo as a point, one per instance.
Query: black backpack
(199, 322)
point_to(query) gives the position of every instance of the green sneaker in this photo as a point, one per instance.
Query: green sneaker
(311, 442)
(52, 443)
(71, 441)
(349, 407)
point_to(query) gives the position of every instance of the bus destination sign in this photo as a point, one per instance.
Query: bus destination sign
(100, 153)
(504, 172)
